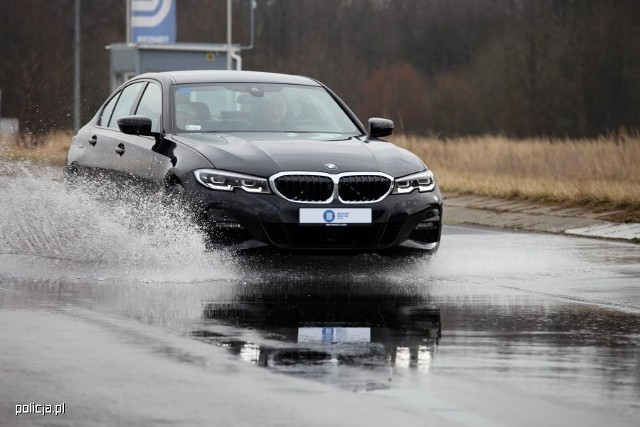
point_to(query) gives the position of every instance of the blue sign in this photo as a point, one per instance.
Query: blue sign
(153, 21)
(329, 215)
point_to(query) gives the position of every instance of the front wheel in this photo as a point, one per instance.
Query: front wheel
(70, 176)
(173, 194)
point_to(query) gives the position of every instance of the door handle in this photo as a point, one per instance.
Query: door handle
(93, 140)
(120, 149)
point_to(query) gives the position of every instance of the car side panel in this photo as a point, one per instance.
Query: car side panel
(133, 160)
(93, 152)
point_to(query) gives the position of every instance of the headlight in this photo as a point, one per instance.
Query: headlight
(228, 181)
(422, 181)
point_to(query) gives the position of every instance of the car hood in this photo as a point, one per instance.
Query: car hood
(266, 154)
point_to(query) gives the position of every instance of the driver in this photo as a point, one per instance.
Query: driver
(273, 111)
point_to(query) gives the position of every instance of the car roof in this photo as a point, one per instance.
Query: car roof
(226, 76)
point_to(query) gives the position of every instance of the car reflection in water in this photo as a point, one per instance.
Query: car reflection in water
(356, 341)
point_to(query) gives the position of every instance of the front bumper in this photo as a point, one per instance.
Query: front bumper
(243, 221)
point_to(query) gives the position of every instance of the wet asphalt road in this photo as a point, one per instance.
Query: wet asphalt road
(129, 327)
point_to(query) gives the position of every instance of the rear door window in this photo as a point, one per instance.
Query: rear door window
(106, 112)
(125, 103)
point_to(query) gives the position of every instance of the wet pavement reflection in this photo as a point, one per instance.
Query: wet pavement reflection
(336, 333)
(326, 336)
(368, 323)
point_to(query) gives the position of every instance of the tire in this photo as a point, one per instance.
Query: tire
(69, 177)
(173, 194)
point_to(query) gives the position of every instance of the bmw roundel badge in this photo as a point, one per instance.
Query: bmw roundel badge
(331, 166)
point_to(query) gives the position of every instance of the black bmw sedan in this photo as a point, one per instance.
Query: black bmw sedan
(263, 161)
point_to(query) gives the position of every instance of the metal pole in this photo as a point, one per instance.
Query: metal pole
(128, 3)
(252, 24)
(76, 68)
(228, 34)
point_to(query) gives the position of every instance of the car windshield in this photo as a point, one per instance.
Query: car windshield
(258, 107)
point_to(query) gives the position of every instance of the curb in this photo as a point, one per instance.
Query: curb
(527, 216)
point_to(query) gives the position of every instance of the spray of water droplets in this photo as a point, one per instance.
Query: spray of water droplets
(115, 232)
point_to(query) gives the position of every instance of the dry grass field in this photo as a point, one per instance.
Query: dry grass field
(600, 174)
(51, 148)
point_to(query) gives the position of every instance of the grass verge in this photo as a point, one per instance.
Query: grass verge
(602, 175)
(51, 148)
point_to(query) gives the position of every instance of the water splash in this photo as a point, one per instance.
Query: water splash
(98, 231)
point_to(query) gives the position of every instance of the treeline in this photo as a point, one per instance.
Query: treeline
(445, 67)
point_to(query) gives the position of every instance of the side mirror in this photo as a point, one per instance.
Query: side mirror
(380, 127)
(135, 125)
